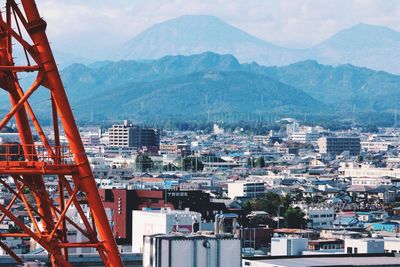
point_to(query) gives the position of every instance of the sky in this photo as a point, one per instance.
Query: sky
(85, 27)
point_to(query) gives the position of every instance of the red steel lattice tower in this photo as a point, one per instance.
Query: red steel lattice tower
(25, 165)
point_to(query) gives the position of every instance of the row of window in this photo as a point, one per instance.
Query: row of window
(321, 216)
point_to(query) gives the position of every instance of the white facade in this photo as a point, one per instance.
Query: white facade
(319, 217)
(375, 146)
(363, 170)
(119, 135)
(288, 246)
(371, 181)
(164, 221)
(392, 245)
(364, 245)
(305, 136)
(249, 189)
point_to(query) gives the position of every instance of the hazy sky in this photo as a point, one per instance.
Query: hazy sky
(290, 23)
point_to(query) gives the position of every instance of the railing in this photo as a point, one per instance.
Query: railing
(17, 152)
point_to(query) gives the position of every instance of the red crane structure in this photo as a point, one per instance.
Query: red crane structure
(26, 165)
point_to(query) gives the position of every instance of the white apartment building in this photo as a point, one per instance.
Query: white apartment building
(164, 221)
(371, 181)
(372, 146)
(121, 135)
(250, 189)
(351, 169)
(269, 180)
(318, 217)
(305, 136)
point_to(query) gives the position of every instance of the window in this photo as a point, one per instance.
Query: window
(349, 250)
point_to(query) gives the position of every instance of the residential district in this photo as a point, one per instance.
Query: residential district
(297, 196)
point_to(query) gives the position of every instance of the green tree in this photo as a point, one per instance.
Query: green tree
(143, 163)
(270, 203)
(251, 162)
(294, 218)
(169, 167)
(261, 162)
(247, 206)
(193, 164)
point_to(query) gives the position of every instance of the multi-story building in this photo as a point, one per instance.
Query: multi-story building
(180, 149)
(351, 169)
(371, 181)
(374, 146)
(133, 136)
(121, 202)
(338, 145)
(247, 189)
(305, 136)
(318, 217)
(163, 221)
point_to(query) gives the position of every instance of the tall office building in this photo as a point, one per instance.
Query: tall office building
(129, 135)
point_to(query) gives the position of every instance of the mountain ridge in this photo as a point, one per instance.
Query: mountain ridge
(372, 46)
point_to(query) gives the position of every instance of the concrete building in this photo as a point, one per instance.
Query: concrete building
(338, 145)
(305, 136)
(164, 221)
(178, 149)
(371, 181)
(392, 245)
(133, 136)
(249, 189)
(191, 250)
(364, 245)
(350, 169)
(319, 217)
(288, 246)
(373, 146)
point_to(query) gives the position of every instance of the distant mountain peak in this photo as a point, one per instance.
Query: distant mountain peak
(194, 34)
(363, 44)
(364, 35)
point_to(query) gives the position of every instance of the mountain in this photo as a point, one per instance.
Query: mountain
(195, 34)
(84, 80)
(345, 86)
(197, 86)
(198, 95)
(365, 45)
